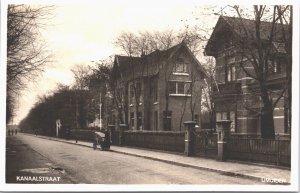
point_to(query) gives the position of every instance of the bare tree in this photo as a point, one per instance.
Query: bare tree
(127, 43)
(81, 74)
(146, 42)
(256, 51)
(210, 86)
(26, 54)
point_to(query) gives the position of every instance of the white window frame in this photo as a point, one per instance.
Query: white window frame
(184, 89)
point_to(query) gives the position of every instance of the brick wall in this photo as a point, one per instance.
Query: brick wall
(160, 140)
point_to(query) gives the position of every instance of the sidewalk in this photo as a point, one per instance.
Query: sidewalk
(250, 171)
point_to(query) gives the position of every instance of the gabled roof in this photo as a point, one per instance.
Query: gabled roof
(148, 65)
(236, 25)
(265, 28)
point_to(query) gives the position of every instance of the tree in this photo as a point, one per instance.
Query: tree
(210, 86)
(99, 86)
(64, 104)
(81, 73)
(26, 54)
(256, 50)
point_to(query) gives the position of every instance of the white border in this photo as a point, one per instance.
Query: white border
(84, 187)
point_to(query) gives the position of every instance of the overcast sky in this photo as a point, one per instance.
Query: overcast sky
(80, 33)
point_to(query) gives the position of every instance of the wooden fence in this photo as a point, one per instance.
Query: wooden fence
(260, 150)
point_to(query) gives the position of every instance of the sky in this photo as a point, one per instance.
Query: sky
(79, 33)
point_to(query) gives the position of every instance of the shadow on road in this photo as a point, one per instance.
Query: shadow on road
(24, 165)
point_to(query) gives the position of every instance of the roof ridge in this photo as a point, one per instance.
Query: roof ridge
(252, 20)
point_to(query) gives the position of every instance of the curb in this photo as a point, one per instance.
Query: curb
(227, 173)
(54, 139)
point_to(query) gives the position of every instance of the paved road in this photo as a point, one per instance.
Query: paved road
(85, 165)
(23, 162)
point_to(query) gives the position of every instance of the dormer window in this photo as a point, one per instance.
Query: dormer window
(180, 66)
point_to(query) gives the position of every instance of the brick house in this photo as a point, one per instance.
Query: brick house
(158, 91)
(236, 96)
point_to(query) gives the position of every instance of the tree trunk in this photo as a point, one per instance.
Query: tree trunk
(267, 122)
(120, 115)
(165, 114)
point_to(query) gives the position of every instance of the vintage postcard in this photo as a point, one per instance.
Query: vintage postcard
(149, 95)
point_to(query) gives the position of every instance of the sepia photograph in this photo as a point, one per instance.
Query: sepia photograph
(149, 95)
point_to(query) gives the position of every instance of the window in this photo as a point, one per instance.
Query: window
(232, 119)
(139, 121)
(218, 116)
(181, 88)
(131, 94)
(155, 90)
(277, 68)
(225, 115)
(231, 73)
(180, 66)
(155, 120)
(187, 88)
(196, 118)
(274, 67)
(138, 90)
(132, 120)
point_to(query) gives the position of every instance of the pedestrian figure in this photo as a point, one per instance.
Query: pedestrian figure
(16, 131)
(35, 132)
(9, 132)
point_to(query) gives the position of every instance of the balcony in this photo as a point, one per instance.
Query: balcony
(274, 81)
(227, 90)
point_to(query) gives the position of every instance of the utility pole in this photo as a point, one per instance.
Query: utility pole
(76, 118)
(100, 124)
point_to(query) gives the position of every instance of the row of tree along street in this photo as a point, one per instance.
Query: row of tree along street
(75, 107)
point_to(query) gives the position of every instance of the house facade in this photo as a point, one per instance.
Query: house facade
(236, 95)
(158, 91)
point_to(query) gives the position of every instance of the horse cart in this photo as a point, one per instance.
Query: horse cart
(102, 139)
